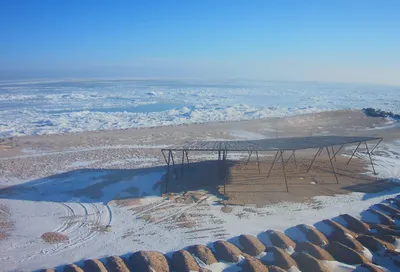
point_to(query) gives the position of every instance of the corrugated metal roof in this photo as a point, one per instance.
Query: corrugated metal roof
(292, 143)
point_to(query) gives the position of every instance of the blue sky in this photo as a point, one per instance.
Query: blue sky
(284, 40)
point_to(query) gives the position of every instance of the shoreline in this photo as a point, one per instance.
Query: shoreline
(103, 190)
(272, 118)
(134, 147)
(61, 108)
(185, 124)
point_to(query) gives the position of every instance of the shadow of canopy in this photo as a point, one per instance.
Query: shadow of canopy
(245, 185)
(104, 185)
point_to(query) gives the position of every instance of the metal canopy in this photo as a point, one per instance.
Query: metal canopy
(278, 145)
(292, 143)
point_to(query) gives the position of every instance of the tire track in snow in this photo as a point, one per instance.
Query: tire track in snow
(77, 220)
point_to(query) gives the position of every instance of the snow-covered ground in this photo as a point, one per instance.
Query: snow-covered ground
(97, 228)
(97, 195)
(28, 108)
(115, 212)
(386, 160)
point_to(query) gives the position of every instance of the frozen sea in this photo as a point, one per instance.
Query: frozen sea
(44, 107)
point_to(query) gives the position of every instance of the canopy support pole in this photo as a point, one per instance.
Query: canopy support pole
(225, 154)
(248, 160)
(370, 159)
(187, 158)
(276, 155)
(183, 160)
(333, 168)
(312, 162)
(166, 181)
(355, 150)
(340, 148)
(173, 164)
(294, 158)
(333, 153)
(372, 150)
(165, 158)
(258, 163)
(279, 156)
(319, 154)
(291, 155)
(221, 162)
(284, 172)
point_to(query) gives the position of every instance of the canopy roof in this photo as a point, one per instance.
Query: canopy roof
(292, 143)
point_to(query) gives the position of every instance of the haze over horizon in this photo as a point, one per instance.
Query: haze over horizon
(340, 41)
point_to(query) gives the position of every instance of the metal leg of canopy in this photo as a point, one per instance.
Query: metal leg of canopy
(284, 172)
(187, 158)
(370, 159)
(372, 150)
(248, 160)
(273, 163)
(333, 168)
(170, 158)
(333, 153)
(221, 162)
(312, 162)
(165, 158)
(167, 179)
(223, 151)
(184, 156)
(173, 164)
(352, 155)
(294, 158)
(279, 156)
(225, 154)
(183, 161)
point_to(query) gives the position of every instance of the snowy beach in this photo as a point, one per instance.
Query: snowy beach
(102, 189)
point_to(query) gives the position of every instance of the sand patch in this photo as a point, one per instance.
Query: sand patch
(245, 184)
(185, 221)
(7, 143)
(6, 224)
(54, 237)
(147, 218)
(226, 209)
(101, 228)
(127, 202)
